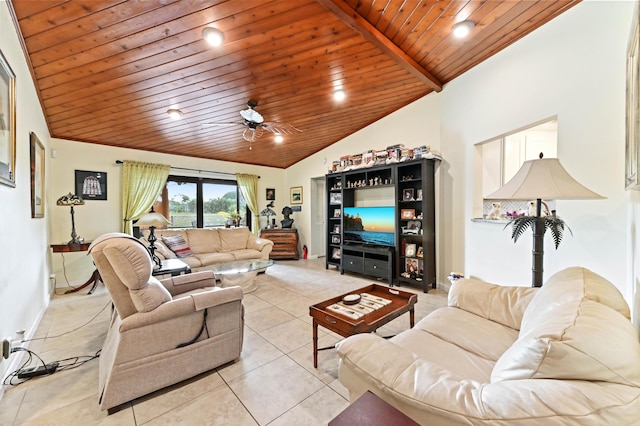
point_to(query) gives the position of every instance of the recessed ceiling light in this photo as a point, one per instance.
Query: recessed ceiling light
(213, 36)
(278, 138)
(174, 113)
(462, 29)
(339, 95)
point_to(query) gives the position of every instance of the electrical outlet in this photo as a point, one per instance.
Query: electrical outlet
(52, 276)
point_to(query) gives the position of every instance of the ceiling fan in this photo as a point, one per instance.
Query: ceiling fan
(255, 124)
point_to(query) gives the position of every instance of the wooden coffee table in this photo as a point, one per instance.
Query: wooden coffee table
(401, 302)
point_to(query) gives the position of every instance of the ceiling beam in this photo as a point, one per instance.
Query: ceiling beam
(353, 19)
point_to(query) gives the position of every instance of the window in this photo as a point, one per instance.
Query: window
(499, 159)
(192, 202)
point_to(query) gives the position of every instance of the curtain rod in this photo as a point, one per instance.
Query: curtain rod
(193, 170)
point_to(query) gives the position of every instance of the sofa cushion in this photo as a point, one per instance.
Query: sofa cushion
(150, 296)
(573, 329)
(234, 239)
(204, 240)
(178, 245)
(246, 254)
(211, 258)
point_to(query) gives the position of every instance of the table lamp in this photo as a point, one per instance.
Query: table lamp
(151, 221)
(268, 212)
(71, 200)
(540, 179)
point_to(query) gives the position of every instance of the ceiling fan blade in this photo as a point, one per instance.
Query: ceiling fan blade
(223, 123)
(251, 115)
(252, 135)
(280, 128)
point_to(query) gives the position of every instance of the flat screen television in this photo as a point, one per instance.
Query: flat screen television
(369, 225)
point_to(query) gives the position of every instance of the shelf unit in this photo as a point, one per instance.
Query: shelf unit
(409, 186)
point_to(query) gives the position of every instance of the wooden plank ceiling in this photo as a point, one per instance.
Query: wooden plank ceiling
(106, 71)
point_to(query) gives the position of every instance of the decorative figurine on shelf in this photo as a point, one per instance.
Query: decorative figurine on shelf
(496, 211)
(287, 222)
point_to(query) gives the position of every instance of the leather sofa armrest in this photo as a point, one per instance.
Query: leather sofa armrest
(260, 244)
(183, 283)
(183, 306)
(502, 304)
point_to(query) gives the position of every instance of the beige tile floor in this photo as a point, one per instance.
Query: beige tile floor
(274, 382)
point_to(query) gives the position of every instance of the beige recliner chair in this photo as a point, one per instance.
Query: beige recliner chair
(161, 332)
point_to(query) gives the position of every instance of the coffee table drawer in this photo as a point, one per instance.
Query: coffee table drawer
(353, 263)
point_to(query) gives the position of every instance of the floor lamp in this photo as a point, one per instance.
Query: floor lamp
(542, 179)
(71, 200)
(151, 221)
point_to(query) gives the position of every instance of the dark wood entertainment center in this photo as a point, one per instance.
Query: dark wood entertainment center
(408, 187)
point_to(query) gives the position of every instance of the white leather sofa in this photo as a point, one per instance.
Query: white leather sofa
(565, 353)
(213, 245)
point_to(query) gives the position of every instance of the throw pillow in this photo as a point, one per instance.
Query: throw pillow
(178, 245)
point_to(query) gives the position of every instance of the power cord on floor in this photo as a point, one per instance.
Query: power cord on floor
(25, 373)
(64, 272)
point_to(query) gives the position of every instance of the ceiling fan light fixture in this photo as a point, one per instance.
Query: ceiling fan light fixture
(339, 95)
(278, 138)
(175, 113)
(462, 28)
(213, 36)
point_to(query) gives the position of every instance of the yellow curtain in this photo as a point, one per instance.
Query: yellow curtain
(142, 183)
(248, 185)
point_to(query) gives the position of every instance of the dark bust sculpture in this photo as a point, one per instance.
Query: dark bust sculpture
(287, 222)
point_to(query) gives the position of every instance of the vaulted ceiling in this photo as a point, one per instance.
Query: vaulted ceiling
(107, 71)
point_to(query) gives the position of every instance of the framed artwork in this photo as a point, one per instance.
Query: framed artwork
(411, 266)
(36, 158)
(7, 124)
(410, 250)
(420, 252)
(632, 143)
(335, 198)
(296, 195)
(336, 229)
(419, 195)
(407, 194)
(335, 253)
(91, 185)
(407, 213)
(335, 239)
(271, 194)
(337, 213)
(296, 208)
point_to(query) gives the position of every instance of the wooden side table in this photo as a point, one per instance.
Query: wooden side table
(285, 243)
(70, 248)
(371, 410)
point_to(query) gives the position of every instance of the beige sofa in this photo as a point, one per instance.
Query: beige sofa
(216, 245)
(565, 353)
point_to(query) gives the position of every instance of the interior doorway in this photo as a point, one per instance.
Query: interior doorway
(318, 198)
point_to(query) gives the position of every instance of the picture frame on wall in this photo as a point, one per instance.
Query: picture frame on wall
(296, 195)
(7, 123)
(36, 159)
(632, 142)
(271, 194)
(91, 185)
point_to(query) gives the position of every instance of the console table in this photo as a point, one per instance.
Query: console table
(285, 242)
(70, 248)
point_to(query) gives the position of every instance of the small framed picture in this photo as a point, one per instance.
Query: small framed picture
(336, 213)
(271, 194)
(335, 254)
(37, 158)
(411, 266)
(336, 229)
(419, 195)
(407, 213)
(296, 195)
(407, 194)
(420, 253)
(335, 239)
(335, 198)
(91, 185)
(410, 250)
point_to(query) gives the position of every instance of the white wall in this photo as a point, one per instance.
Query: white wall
(97, 217)
(24, 275)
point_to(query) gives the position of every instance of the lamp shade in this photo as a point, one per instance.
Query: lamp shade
(70, 200)
(544, 178)
(152, 219)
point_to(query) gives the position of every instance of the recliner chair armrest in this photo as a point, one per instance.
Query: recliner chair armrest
(502, 304)
(183, 306)
(183, 283)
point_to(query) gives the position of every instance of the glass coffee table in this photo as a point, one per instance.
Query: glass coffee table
(240, 272)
